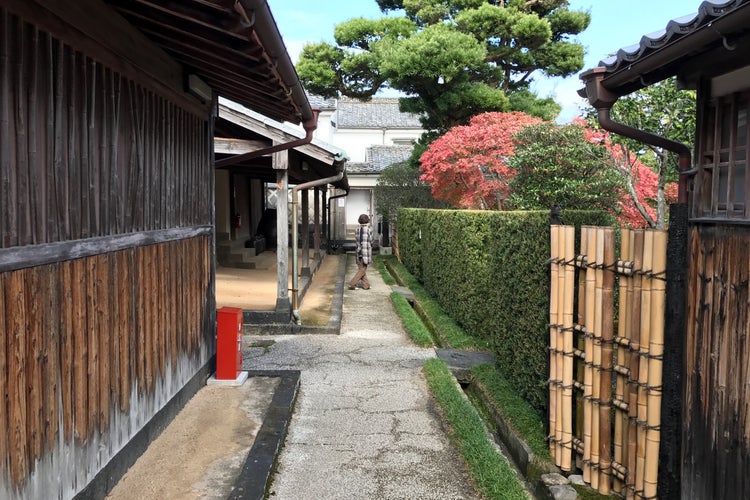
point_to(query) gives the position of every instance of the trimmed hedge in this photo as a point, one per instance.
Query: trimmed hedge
(488, 270)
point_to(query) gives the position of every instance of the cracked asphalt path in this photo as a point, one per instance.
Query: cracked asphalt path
(365, 425)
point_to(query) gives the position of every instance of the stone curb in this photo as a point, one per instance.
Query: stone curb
(255, 476)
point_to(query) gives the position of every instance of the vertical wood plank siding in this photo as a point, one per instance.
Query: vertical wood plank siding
(85, 152)
(40, 320)
(716, 441)
(104, 339)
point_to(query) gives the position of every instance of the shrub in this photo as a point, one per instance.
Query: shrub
(488, 271)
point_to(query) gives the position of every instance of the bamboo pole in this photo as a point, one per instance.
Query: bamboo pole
(636, 252)
(567, 333)
(607, 339)
(623, 358)
(580, 342)
(553, 306)
(588, 378)
(656, 350)
(648, 243)
(597, 358)
(561, 291)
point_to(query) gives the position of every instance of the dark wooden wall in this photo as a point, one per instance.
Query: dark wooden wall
(106, 250)
(86, 152)
(716, 430)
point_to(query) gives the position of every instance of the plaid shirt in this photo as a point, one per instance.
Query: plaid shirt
(364, 243)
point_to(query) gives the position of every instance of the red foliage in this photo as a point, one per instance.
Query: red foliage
(467, 166)
(644, 180)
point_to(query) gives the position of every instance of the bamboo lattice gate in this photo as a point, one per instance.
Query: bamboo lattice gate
(606, 375)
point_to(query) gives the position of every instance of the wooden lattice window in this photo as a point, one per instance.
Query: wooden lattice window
(722, 184)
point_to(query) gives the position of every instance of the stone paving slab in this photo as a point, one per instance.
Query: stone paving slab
(364, 424)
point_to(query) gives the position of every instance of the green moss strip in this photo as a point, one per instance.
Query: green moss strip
(516, 411)
(493, 475)
(419, 333)
(384, 273)
(446, 331)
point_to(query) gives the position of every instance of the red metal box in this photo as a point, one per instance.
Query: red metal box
(228, 343)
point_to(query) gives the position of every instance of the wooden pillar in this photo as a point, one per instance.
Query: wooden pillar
(326, 214)
(283, 306)
(316, 223)
(305, 271)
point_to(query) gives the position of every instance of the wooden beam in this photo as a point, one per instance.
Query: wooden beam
(37, 255)
(224, 145)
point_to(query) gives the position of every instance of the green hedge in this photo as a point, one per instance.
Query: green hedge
(488, 270)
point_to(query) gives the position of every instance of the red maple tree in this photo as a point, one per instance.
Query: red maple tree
(467, 166)
(637, 204)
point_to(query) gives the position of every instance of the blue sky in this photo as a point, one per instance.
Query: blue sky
(614, 24)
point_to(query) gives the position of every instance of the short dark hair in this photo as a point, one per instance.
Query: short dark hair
(364, 219)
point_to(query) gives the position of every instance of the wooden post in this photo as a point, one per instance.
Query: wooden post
(316, 223)
(305, 257)
(283, 306)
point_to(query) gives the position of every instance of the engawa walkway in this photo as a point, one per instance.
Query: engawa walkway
(364, 425)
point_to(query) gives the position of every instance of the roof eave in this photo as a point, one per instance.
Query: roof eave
(270, 37)
(663, 62)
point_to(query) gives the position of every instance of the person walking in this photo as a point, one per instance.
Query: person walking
(364, 253)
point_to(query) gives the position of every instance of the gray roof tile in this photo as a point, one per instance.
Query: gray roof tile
(378, 158)
(708, 11)
(379, 112)
(321, 103)
(382, 156)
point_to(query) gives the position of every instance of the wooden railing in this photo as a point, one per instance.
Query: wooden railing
(606, 375)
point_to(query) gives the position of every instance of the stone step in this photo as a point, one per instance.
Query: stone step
(236, 261)
(225, 251)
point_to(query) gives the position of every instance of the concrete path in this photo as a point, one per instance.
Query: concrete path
(365, 425)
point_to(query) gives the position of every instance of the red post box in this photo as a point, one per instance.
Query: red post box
(228, 343)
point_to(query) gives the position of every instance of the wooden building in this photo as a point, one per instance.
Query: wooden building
(107, 314)
(705, 449)
(249, 175)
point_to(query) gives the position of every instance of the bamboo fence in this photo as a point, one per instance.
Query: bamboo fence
(606, 375)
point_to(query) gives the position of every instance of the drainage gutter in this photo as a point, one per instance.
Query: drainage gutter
(309, 127)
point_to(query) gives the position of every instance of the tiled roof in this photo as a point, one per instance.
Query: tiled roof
(380, 157)
(713, 32)
(677, 28)
(321, 103)
(356, 167)
(379, 112)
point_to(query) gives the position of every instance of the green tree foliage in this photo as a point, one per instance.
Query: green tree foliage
(557, 165)
(453, 58)
(661, 109)
(399, 186)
